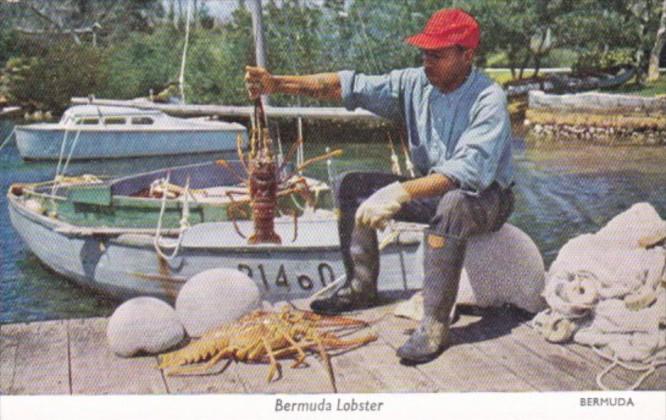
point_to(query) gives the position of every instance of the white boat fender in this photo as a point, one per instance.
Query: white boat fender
(143, 325)
(215, 297)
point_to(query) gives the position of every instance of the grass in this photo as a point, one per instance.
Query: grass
(656, 88)
(504, 76)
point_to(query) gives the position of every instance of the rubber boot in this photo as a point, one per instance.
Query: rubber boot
(360, 289)
(443, 262)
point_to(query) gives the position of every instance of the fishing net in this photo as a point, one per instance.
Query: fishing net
(608, 291)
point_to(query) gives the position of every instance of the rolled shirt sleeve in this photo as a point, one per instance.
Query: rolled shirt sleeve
(377, 94)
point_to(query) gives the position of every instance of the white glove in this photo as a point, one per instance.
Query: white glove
(376, 211)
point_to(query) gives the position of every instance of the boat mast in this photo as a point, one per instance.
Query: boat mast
(258, 34)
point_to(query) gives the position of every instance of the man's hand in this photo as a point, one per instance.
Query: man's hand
(321, 85)
(258, 81)
(376, 211)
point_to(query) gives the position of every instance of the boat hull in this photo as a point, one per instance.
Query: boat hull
(36, 143)
(127, 265)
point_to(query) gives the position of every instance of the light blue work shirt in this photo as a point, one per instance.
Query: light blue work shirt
(464, 134)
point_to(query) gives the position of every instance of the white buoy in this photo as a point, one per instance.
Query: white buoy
(215, 297)
(503, 267)
(143, 325)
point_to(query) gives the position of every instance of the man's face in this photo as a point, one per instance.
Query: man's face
(447, 67)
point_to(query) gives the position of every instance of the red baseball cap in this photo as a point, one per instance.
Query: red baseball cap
(446, 28)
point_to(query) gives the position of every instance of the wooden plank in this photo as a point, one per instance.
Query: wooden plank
(490, 335)
(8, 349)
(462, 367)
(34, 359)
(309, 379)
(96, 370)
(561, 357)
(656, 381)
(619, 378)
(616, 378)
(376, 368)
(227, 382)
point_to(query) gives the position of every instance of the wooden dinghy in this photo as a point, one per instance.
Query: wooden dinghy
(118, 238)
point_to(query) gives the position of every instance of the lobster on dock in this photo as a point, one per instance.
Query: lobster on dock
(266, 180)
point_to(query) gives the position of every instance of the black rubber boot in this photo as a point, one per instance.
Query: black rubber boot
(443, 262)
(360, 289)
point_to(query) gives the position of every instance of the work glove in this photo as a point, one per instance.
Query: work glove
(380, 207)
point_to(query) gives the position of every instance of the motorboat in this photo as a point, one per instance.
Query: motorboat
(101, 132)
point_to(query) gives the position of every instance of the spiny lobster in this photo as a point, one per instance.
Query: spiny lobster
(265, 337)
(266, 180)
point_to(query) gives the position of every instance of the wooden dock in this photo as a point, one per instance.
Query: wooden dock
(491, 351)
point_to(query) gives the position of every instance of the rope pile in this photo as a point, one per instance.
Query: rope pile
(606, 292)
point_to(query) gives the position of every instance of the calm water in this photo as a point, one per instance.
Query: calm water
(560, 194)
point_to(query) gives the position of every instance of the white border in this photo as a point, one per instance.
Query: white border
(644, 405)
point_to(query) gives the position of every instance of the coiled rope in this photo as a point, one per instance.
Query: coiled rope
(648, 368)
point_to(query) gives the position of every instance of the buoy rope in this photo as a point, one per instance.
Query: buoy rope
(184, 223)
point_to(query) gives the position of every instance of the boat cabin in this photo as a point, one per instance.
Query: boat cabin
(91, 115)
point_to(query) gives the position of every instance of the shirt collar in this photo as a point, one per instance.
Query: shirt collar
(469, 81)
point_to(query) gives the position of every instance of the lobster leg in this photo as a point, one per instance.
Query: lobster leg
(201, 369)
(232, 208)
(296, 347)
(275, 366)
(326, 359)
(333, 342)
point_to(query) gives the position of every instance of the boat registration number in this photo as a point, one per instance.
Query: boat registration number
(282, 279)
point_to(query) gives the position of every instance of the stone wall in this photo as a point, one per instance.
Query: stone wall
(595, 118)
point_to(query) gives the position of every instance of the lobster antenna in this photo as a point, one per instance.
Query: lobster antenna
(395, 162)
(409, 166)
(280, 156)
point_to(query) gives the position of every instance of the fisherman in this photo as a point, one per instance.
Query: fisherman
(459, 135)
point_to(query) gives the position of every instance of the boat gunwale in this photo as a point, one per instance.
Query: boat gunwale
(69, 230)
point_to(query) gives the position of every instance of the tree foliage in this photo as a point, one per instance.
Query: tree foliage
(140, 42)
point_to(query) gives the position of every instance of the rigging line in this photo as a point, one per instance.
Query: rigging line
(181, 77)
(6, 141)
(300, 155)
(370, 54)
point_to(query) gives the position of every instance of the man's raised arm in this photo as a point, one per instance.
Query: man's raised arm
(322, 85)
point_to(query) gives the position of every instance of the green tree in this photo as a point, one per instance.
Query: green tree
(524, 31)
(49, 81)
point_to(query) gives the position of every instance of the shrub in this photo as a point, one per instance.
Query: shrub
(594, 61)
(48, 82)
(143, 62)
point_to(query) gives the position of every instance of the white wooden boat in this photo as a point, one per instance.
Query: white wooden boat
(102, 235)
